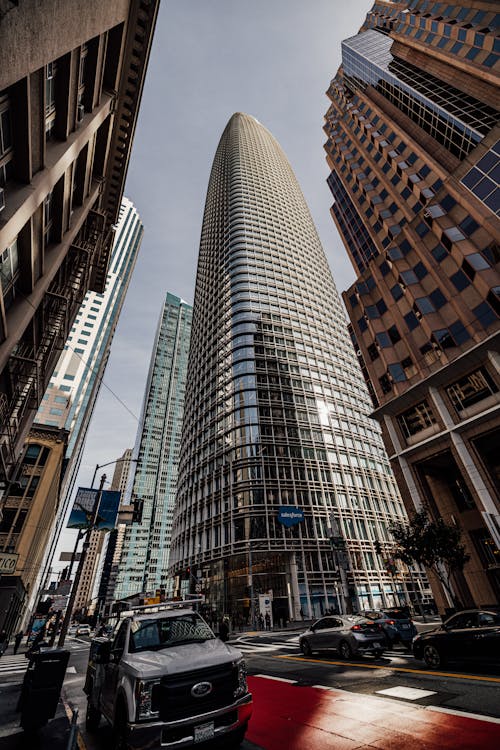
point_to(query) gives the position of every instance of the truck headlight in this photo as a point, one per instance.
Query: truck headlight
(242, 688)
(146, 704)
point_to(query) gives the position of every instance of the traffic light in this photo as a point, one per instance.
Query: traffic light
(188, 572)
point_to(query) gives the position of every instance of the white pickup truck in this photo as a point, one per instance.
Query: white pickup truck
(165, 681)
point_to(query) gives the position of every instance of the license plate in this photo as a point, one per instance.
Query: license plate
(405, 626)
(376, 645)
(204, 732)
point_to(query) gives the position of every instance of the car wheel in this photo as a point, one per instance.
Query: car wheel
(345, 650)
(305, 648)
(92, 718)
(432, 657)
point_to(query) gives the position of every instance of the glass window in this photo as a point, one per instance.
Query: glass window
(416, 419)
(459, 280)
(471, 389)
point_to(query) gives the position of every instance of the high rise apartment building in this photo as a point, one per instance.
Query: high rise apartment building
(413, 143)
(75, 383)
(276, 410)
(71, 79)
(144, 561)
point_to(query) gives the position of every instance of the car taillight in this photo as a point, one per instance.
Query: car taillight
(356, 627)
(391, 622)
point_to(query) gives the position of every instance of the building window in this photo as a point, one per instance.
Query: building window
(50, 99)
(9, 271)
(471, 389)
(6, 145)
(47, 220)
(416, 419)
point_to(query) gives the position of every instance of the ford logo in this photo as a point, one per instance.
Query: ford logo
(201, 689)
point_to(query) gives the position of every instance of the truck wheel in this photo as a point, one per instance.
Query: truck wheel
(120, 730)
(235, 739)
(92, 718)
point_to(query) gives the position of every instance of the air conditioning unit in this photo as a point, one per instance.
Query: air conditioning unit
(80, 112)
(2, 199)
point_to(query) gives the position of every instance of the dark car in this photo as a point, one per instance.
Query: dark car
(398, 627)
(471, 636)
(347, 635)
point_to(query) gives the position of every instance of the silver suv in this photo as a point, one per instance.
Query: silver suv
(165, 680)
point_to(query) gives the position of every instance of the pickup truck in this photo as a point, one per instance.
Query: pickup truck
(165, 681)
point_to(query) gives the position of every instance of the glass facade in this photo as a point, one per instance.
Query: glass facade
(146, 546)
(276, 407)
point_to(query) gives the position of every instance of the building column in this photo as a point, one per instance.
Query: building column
(403, 463)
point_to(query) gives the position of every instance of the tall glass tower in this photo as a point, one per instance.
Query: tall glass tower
(276, 410)
(146, 546)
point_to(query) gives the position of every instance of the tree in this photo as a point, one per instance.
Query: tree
(434, 544)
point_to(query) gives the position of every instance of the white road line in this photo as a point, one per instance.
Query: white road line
(278, 679)
(467, 714)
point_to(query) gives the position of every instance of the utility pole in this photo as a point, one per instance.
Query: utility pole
(79, 571)
(341, 560)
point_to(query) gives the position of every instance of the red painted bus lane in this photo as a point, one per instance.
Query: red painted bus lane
(290, 717)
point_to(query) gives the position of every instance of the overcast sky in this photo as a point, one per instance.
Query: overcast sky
(270, 58)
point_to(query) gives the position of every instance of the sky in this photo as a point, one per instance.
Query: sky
(272, 59)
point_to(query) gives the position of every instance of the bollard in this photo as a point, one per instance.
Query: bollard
(73, 731)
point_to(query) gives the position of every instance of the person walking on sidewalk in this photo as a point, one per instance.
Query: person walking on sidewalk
(4, 642)
(268, 621)
(17, 640)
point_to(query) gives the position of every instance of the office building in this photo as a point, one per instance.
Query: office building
(276, 413)
(71, 79)
(413, 144)
(26, 520)
(75, 383)
(143, 565)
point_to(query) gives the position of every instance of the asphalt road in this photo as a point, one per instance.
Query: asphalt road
(278, 655)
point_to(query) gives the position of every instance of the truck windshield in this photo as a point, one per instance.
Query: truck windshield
(149, 635)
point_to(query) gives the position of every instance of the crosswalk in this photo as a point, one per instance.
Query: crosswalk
(247, 646)
(13, 664)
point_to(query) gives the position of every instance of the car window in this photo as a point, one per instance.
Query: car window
(488, 618)
(325, 622)
(374, 615)
(119, 642)
(395, 614)
(146, 635)
(462, 621)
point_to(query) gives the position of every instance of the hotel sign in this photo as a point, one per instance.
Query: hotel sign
(8, 563)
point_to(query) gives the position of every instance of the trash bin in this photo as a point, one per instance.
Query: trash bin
(42, 687)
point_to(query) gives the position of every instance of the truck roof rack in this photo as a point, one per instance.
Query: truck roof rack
(145, 609)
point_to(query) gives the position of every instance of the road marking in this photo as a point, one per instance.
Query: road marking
(467, 714)
(410, 694)
(390, 668)
(71, 670)
(279, 679)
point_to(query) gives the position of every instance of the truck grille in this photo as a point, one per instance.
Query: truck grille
(173, 696)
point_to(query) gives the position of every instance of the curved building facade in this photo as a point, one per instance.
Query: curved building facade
(276, 408)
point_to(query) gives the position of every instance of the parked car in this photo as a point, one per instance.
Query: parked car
(471, 636)
(398, 627)
(83, 630)
(347, 635)
(73, 629)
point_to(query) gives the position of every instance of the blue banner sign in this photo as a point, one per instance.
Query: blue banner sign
(81, 514)
(290, 515)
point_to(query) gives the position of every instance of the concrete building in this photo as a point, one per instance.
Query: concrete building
(413, 143)
(27, 517)
(71, 79)
(276, 415)
(143, 567)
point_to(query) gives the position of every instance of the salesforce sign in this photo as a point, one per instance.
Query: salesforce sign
(290, 515)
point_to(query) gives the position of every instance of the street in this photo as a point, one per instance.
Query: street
(418, 703)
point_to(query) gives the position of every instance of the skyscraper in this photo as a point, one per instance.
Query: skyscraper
(414, 149)
(276, 409)
(74, 386)
(146, 546)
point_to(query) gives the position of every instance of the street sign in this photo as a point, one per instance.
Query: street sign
(81, 514)
(290, 515)
(8, 563)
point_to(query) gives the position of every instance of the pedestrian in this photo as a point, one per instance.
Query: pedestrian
(261, 622)
(17, 640)
(223, 630)
(302, 613)
(268, 621)
(4, 642)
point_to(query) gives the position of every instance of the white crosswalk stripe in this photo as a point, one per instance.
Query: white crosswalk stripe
(252, 647)
(13, 664)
